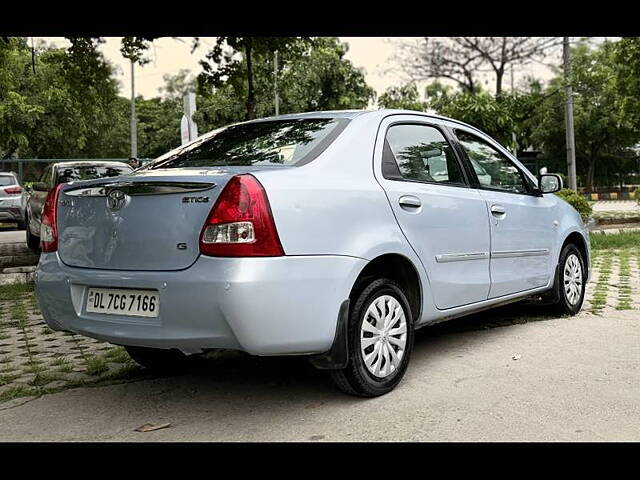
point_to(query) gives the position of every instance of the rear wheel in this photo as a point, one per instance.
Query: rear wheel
(570, 281)
(33, 242)
(158, 359)
(380, 340)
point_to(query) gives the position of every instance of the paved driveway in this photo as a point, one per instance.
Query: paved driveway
(505, 374)
(575, 379)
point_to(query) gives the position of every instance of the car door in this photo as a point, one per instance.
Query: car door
(443, 219)
(521, 221)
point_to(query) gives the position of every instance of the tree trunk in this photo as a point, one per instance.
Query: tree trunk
(591, 175)
(499, 76)
(251, 96)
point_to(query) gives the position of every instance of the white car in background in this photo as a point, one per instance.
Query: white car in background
(12, 200)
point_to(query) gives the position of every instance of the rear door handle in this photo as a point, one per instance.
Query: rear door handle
(498, 210)
(409, 201)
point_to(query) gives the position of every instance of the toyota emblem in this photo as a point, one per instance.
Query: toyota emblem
(116, 200)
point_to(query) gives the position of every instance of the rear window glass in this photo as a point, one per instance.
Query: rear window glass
(7, 180)
(71, 174)
(277, 142)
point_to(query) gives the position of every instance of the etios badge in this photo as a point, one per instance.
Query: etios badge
(116, 200)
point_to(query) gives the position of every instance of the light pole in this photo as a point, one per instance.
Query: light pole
(134, 132)
(571, 142)
(275, 82)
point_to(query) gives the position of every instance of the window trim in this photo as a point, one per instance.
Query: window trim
(525, 179)
(445, 134)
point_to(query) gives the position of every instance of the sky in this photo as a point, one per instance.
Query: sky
(375, 55)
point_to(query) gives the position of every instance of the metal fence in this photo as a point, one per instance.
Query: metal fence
(33, 167)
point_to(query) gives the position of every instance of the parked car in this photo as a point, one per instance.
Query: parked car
(319, 234)
(57, 174)
(12, 199)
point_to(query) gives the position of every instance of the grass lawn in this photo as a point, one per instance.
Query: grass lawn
(625, 240)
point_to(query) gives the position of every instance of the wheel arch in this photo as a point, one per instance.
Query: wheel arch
(579, 241)
(398, 268)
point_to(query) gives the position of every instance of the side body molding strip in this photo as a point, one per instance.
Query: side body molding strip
(461, 257)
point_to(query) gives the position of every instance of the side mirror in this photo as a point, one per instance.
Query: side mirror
(40, 187)
(550, 183)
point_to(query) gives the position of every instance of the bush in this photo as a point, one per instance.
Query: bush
(577, 201)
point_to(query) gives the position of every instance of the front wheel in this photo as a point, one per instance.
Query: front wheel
(570, 281)
(380, 340)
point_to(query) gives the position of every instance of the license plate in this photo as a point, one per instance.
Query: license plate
(114, 301)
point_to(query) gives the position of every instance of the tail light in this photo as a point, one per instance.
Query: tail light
(49, 222)
(13, 190)
(240, 223)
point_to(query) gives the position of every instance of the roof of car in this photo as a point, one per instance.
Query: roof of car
(356, 113)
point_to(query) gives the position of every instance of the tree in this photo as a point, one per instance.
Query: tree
(460, 59)
(604, 138)
(135, 49)
(405, 97)
(178, 85)
(312, 75)
(317, 76)
(627, 78)
(68, 108)
(223, 65)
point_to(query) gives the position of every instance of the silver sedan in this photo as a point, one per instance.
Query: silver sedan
(330, 234)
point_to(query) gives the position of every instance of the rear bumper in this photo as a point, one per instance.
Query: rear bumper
(264, 306)
(11, 214)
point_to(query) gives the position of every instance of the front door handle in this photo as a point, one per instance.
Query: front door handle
(498, 210)
(409, 201)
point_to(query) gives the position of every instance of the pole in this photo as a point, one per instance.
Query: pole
(275, 81)
(134, 133)
(514, 138)
(571, 142)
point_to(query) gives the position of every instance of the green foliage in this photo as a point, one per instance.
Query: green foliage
(68, 108)
(317, 76)
(604, 138)
(624, 240)
(223, 64)
(313, 75)
(405, 97)
(577, 201)
(627, 77)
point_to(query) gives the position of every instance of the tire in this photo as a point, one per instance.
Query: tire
(33, 242)
(569, 300)
(158, 359)
(358, 378)
(22, 225)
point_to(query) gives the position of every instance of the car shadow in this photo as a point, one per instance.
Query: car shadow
(242, 378)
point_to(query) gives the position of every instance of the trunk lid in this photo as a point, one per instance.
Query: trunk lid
(150, 220)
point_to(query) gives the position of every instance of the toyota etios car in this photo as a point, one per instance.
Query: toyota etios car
(328, 234)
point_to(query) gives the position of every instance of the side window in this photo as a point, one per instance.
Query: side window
(421, 153)
(492, 168)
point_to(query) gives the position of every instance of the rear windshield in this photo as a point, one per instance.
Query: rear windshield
(7, 180)
(71, 174)
(276, 142)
